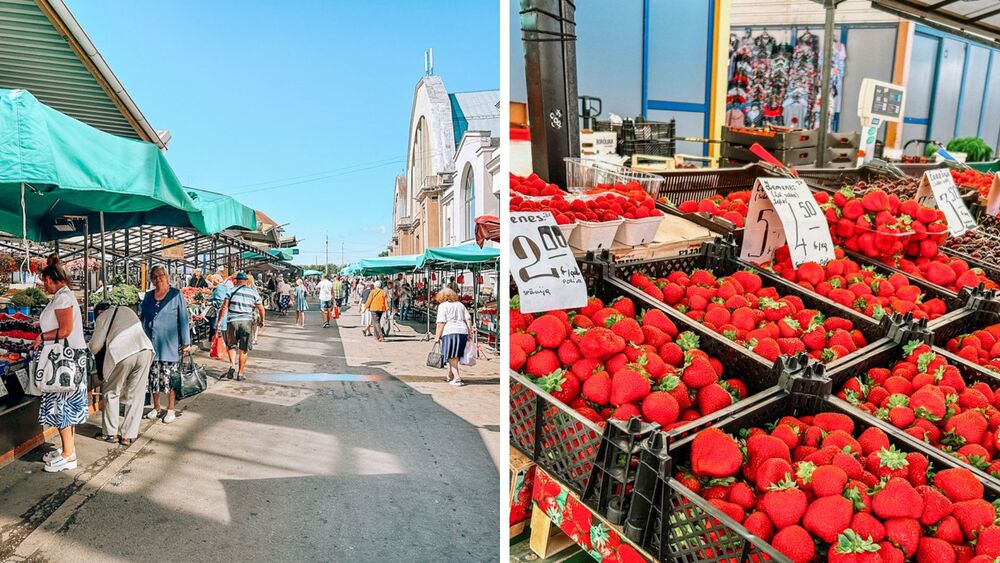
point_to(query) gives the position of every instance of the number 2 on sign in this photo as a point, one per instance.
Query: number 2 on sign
(525, 248)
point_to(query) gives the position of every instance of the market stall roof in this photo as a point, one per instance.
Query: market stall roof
(280, 253)
(311, 273)
(468, 253)
(388, 264)
(67, 168)
(44, 49)
(978, 20)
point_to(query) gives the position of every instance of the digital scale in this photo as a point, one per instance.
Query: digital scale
(878, 102)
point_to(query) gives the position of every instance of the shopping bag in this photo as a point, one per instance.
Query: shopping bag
(219, 351)
(336, 312)
(434, 358)
(189, 379)
(469, 354)
(61, 369)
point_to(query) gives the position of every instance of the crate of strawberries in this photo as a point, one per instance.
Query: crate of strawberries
(758, 315)
(822, 483)
(931, 395)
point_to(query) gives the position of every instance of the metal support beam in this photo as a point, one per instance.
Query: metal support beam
(824, 92)
(548, 31)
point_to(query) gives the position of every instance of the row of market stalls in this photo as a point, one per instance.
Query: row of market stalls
(110, 203)
(434, 269)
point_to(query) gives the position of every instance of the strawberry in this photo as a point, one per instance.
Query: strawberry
(673, 385)
(831, 421)
(795, 543)
(898, 499)
(699, 373)
(628, 386)
(715, 454)
(933, 550)
(935, 505)
(625, 412)
(988, 541)
(549, 331)
(524, 341)
(972, 515)
(784, 503)
(629, 330)
(872, 440)
(867, 527)
(597, 389)
(712, 398)
(599, 342)
(562, 385)
(850, 547)
(828, 480)
(758, 524)
(958, 484)
(965, 428)
(625, 306)
(658, 319)
(660, 407)
(826, 517)
(542, 363)
(740, 493)
(584, 368)
(950, 531)
(768, 349)
(568, 353)
(905, 533)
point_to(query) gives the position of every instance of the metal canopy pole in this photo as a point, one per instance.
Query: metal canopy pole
(104, 261)
(548, 31)
(824, 92)
(86, 269)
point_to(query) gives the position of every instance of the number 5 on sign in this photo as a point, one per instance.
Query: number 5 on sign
(542, 264)
(783, 210)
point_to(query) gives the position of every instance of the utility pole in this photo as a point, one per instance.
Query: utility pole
(341, 254)
(327, 267)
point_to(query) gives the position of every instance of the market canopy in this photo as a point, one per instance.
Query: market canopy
(67, 168)
(468, 253)
(312, 273)
(285, 254)
(387, 264)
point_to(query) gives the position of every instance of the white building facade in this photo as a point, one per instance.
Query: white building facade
(452, 167)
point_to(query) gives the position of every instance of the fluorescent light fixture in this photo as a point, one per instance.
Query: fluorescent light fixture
(65, 225)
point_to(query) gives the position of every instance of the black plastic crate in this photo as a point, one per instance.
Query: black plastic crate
(648, 147)
(691, 534)
(773, 140)
(695, 184)
(832, 179)
(719, 257)
(981, 309)
(550, 433)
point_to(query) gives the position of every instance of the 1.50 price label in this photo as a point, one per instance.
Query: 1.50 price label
(542, 264)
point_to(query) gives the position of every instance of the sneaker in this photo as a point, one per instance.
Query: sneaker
(60, 464)
(152, 415)
(51, 456)
(326, 325)
(456, 382)
(170, 417)
(240, 378)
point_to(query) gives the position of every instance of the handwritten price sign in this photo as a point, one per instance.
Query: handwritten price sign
(783, 210)
(543, 265)
(937, 189)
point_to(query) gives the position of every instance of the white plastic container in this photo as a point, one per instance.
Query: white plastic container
(567, 230)
(634, 232)
(594, 236)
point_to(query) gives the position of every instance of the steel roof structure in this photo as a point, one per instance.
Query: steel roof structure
(44, 50)
(978, 20)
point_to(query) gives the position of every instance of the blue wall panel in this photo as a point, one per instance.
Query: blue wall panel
(975, 83)
(946, 93)
(678, 35)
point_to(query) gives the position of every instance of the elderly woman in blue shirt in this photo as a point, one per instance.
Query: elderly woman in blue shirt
(164, 317)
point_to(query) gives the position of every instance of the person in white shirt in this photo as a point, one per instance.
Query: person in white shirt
(454, 327)
(128, 355)
(326, 299)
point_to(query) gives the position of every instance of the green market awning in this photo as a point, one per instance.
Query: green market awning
(68, 168)
(469, 253)
(312, 273)
(388, 264)
(280, 253)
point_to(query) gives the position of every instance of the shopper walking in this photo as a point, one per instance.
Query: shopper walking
(301, 304)
(164, 317)
(454, 327)
(128, 356)
(366, 314)
(61, 320)
(377, 302)
(405, 301)
(326, 299)
(239, 309)
(339, 291)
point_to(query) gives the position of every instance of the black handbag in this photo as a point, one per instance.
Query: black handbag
(189, 379)
(98, 359)
(434, 358)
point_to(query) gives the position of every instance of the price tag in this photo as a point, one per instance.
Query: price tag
(22, 378)
(993, 201)
(937, 189)
(3, 389)
(542, 264)
(783, 209)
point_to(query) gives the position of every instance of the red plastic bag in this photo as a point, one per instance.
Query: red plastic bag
(336, 312)
(219, 351)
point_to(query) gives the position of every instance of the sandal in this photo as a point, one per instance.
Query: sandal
(125, 442)
(110, 439)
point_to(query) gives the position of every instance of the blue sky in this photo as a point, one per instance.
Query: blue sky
(256, 92)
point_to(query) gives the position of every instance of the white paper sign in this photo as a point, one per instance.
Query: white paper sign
(22, 378)
(937, 189)
(3, 389)
(783, 209)
(993, 201)
(542, 264)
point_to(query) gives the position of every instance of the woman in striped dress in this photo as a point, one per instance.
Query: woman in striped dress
(61, 320)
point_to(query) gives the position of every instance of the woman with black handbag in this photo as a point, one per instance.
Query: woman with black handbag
(64, 408)
(125, 355)
(164, 318)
